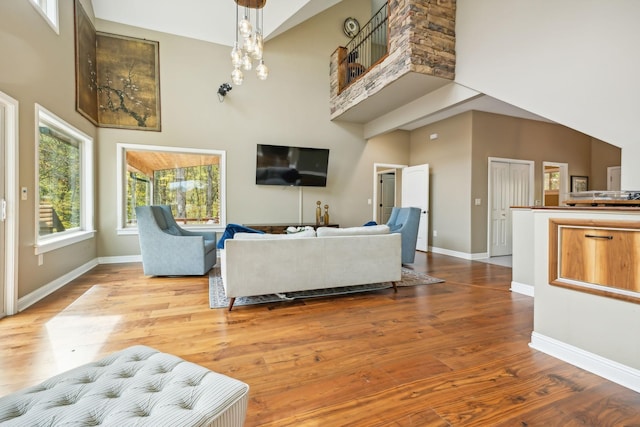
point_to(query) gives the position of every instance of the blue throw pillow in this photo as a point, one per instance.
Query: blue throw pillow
(369, 224)
(232, 229)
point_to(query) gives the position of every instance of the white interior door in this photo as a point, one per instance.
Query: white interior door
(499, 209)
(415, 193)
(8, 201)
(613, 178)
(387, 195)
(510, 185)
(3, 210)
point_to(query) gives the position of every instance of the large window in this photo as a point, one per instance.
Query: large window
(49, 11)
(191, 181)
(64, 208)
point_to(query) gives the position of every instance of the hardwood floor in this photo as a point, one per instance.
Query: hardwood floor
(448, 354)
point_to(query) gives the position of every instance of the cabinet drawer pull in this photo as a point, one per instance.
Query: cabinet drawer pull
(598, 237)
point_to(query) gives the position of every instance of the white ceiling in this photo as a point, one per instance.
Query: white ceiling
(209, 20)
(214, 20)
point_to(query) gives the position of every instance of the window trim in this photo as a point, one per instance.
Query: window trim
(50, 15)
(86, 231)
(121, 227)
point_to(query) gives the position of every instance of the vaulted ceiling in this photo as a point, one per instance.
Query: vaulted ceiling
(214, 20)
(209, 20)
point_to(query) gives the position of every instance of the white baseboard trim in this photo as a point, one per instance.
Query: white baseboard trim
(119, 259)
(521, 288)
(35, 296)
(613, 371)
(457, 254)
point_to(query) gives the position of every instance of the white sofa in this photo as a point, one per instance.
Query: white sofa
(260, 264)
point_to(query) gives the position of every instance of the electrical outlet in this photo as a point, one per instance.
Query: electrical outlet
(23, 193)
(478, 202)
(435, 233)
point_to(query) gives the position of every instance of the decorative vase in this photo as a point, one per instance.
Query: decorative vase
(318, 213)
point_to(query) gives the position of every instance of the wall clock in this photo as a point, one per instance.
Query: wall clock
(351, 27)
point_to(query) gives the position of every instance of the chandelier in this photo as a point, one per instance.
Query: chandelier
(250, 47)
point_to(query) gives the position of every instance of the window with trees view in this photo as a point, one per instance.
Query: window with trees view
(189, 180)
(64, 182)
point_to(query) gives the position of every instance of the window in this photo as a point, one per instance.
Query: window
(551, 178)
(191, 181)
(49, 11)
(64, 208)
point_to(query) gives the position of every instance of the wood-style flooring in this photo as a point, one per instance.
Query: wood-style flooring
(449, 354)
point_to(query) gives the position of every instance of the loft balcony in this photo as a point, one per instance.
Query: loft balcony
(404, 52)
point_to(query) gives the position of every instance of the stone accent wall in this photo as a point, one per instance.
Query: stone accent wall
(421, 40)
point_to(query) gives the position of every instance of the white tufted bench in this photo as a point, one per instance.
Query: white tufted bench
(138, 386)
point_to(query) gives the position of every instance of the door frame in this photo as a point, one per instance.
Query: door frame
(532, 187)
(563, 193)
(379, 168)
(11, 126)
(381, 195)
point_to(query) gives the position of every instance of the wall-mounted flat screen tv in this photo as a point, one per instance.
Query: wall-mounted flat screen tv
(293, 166)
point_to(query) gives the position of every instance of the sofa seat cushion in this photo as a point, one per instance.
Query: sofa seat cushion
(353, 231)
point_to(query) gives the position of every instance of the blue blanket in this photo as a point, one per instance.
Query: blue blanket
(232, 229)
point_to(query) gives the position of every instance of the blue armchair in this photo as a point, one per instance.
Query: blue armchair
(169, 250)
(405, 221)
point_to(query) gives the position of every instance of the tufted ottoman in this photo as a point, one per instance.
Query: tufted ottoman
(138, 386)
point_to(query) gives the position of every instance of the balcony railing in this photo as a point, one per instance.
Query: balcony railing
(365, 49)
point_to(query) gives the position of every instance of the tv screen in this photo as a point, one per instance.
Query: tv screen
(293, 166)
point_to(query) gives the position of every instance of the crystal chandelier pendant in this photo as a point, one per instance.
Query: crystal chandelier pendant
(262, 71)
(244, 27)
(236, 56)
(251, 46)
(246, 62)
(237, 77)
(257, 50)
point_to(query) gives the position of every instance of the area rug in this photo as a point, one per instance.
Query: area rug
(217, 298)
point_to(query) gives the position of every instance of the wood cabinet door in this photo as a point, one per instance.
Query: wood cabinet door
(604, 257)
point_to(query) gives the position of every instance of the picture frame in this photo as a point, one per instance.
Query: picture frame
(579, 183)
(85, 52)
(117, 77)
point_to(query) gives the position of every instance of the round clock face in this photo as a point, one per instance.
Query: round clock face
(351, 27)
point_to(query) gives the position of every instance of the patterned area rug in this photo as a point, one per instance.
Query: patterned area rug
(217, 298)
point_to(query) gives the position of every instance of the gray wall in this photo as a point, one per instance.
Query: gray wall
(545, 59)
(458, 159)
(37, 66)
(291, 107)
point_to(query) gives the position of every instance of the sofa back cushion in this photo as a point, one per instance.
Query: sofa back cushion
(353, 231)
(267, 236)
